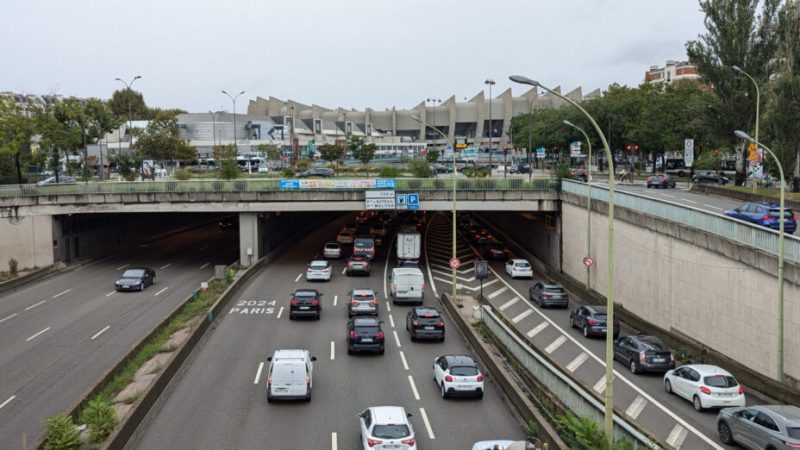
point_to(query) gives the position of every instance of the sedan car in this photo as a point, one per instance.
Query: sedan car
(709, 177)
(332, 250)
(765, 215)
(319, 270)
(362, 302)
(365, 334)
(425, 323)
(135, 279)
(704, 385)
(63, 179)
(644, 353)
(579, 174)
(591, 320)
(386, 427)
(345, 236)
(496, 250)
(660, 180)
(316, 172)
(458, 375)
(358, 264)
(763, 426)
(549, 294)
(516, 268)
(305, 303)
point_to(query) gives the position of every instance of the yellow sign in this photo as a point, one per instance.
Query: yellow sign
(461, 146)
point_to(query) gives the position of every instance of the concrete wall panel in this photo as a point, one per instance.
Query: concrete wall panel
(28, 239)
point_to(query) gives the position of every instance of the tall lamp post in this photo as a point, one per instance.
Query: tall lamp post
(491, 83)
(743, 135)
(454, 292)
(433, 102)
(530, 138)
(609, 390)
(758, 102)
(588, 202)
(213, 129)
(130, 107)
(233, 100)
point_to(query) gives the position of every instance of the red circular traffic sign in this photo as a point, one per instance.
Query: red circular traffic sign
(455, 263)
(588, 261)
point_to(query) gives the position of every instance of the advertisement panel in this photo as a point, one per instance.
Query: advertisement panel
(338, 183)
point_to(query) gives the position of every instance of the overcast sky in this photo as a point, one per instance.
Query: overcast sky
(349, 53)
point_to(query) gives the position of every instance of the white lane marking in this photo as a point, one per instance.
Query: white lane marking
(522, 315)
(427, 424)
(450, 274)
(161, 291)
(714, 207)
(509, 303)
(123, 266)
(636, 407)
(391, 320)
(204, 266)
(689, 201)
(668, 195)
(555, 344)
(335, 299)
(8, 317)
(403, 358)
(334, 441)
(298, 278)
(37, 334)
(7, 401)
(344, 269)
(575, 363)
(333, 351)
(280, 311)
(497, 292)
(413, 387)
(165, 266)
(600, 386)
(35, 305)
(111, 293)
(537, 329)
(388, 306)
(62, 293)
(258, 372)
(101, 332)
(396, 339)
(677, 436)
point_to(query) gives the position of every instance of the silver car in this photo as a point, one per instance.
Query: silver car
(362, 302)
(764, 426)
(319, 270)
(332, 250)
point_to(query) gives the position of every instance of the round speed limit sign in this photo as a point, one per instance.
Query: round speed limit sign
(588, 261)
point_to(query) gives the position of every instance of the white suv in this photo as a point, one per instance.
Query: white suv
(458, 375)
(519, 268)
(386, 427)
(704, 385)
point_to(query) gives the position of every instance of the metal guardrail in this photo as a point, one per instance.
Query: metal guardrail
(273, 184)
(575, 397)
(719, 224)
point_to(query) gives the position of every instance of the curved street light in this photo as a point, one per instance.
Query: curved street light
(609, 393)
(130, 109)
(745, 136)
(233, 100)
(758, 102)
(588, 201)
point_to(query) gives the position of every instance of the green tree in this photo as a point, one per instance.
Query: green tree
(16, 131)
(272, 152)
(365, 153)
(160, 140)
(331, 153)
(122, 99)
(225, 156)
(584, 433)
(432, 156)
(420, 168)
(127, 165)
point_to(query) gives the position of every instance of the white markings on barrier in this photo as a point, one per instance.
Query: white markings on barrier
(522, 315)
(555, 344)
(161, 291)
(35, 305)
(427, 423)
(537, 329)
(100, 332)
(111, 293)
(403, 358)
(497, 292)
(677, 436)
(636, 407)
(36, 335)
(396, 339)
(123, 266)
(204, 266)
(280, 311)
(165, 266)
(333, 351)
(258, 372)
(62, 293)
(8, 317)
(600, 386)
(509, 304)
(575, 363)
(413, 387)
(334, 441)
(391, 320)
(298, 278)
(7, 401)
(335, 299)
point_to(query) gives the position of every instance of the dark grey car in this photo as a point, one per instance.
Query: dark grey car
(775, 427)
(362, 302)
(549, 294)
(644, 353)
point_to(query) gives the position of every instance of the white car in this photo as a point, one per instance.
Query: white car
(458, 375)
(263, 169)
(319, 270)
(386, 427)
(332, 250)
(290, 375)
(345, 237)
(704, 385)
(519, 268)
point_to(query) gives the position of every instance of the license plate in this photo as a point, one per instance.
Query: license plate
(603, 329)
(428, 328)
(366, 340)
(304, 307)
(125, 286)
(281, 389)
(659, 360)
(463, 386)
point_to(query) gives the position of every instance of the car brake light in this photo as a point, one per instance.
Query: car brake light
(315, 302)
(480, 378)
(790, 445)
(353, 335)
(327, 269)
(641, 357)
(440, 324)
(705, 390)
(591, 321)
(408, 441)
(766, 218)
(349, 264)
(293, 303)
(741, 390)
(373, 302)
(353, 302)
(415, 323)
(379, 335)
(448, 378)
(373, 442)
(308, 379)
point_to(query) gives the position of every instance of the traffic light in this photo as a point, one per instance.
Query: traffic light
(628, 147)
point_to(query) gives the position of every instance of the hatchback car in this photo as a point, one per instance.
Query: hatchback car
(766, 215)
(386, 427)
(704, 385)
(660, 180)
(549, 294)
(316, 172)
(358, 264)
(362, 302)
(346, 236)
(496, 250)
(481, 237)
(762, 426)
(458, 375)
(519, 268)
(644, 353)
(591, 320)
(305, 303)
(319, 270)
(135, 279)
(332, 250)
(365, 334)
(425, 323)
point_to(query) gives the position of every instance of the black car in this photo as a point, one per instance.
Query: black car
(709, 177)
(135, 279)
(364, 333)
(579, 174)
(549, 294)
(316, 172)
(591, 320)
(425, 323)
(519, 168)
(358, 264)
(305, 303)
(660, 180)
(496, 250)
(644, 353)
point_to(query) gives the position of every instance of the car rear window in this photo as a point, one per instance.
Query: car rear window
(522, 265)
(390, 431)
(464, 371)
(361, 243)
(555, 290)
(720, 381)
(133, 273)
(363, 297)
(332, 246)
(787, 213)
(305, 296)
(656, 346)
(793, 432)
(368, 330)
(319, 264)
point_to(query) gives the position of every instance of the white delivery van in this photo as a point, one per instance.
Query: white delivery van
(409, 245)
(290, 376)
(408, 285)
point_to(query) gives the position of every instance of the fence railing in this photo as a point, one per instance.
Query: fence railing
(736, 230)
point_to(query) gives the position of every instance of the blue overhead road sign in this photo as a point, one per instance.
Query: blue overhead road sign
(413, 201)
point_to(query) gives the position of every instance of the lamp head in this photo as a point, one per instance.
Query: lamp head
(568, 123)
(240, 93)
(136, 77)
(224, 92)
(737, 69)
(523, 80)
(742, 135)
(489, 81)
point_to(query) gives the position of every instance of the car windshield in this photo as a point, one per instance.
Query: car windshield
(319, 264)
(464, 371)
(390, 431)
(133, 273)
(720, 381)
(793, 432)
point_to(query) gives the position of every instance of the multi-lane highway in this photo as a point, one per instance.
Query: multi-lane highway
(219, 399)
(681, 195)
(59, 336)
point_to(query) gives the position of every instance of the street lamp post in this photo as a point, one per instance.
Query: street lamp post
(743, 135)
(233, 100)
(758, 102)
(213, 129)
(609, 390)
(433, 103)
(130, 108)
(491, 83)
(588, 202)
(530, 138)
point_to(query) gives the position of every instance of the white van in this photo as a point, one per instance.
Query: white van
(291, 375)
(408, 285)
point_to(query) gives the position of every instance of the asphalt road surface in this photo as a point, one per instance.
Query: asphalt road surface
(59, 336)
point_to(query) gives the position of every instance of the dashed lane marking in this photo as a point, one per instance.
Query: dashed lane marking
(575, 363)
(413, 387)
(689, 201)
(258, 372)
(537, 329)
(35, 305)
(497, 292)
(111, 293)
(7, 401)
(37, 334)
(344, 269)
(100, 332)
(555, 344)
(8, 317)
(403, 358)
(161, 291)
(334, 441)
(522, 315)
(391, 320)
(427, 423)
(333, 351)
(677, 436)
(713, 207)
(600, 386)
(396, 339)
(509, 304)
(165, 266)
(335, 299)
(298, 278)
(636, 407)
(280, 311)
(62, 293)
(123, 266)
(204, 266)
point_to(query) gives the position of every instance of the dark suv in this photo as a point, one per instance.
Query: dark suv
(358, 264)
(305, 303)
(364, 333)
(591, 320)
(425, 323)
(362, 302)
(316, 172)
(644, 353)
(549, 294)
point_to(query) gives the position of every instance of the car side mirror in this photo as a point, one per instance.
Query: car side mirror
(409, 414)
(269, 358)
(313, 358)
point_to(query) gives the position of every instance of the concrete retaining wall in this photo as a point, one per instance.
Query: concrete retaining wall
(28, 239)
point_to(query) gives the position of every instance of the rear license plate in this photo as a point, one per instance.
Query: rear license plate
(463, 386)
(304, 307)
(659, 360)
(281, 389)
(428, 328)
(366, 340)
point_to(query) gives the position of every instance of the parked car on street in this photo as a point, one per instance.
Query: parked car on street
(519, 168)
(660, 180)
(386, 427)
(708, 177)
(549, 294)
(135, 279)
(766, 215)
(364, 333)
(425, 323)
(332, 250)
(591, 320)
(305, 303)
(319, 270)
(705, 385)
(644, 353)
(458, 375)
(760, 426)
(358, 264)
(362, 302)
(519, 268)
(323, 172)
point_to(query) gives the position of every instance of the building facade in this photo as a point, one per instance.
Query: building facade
(671, 72)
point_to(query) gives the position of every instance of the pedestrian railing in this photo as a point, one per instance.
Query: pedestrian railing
(736, 230)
